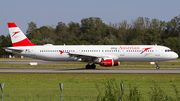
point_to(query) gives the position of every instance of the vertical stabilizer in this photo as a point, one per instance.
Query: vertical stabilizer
(17, 36)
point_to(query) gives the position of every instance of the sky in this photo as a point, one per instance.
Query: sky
(50, 12)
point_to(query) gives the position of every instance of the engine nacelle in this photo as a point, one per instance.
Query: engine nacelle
(108, 62)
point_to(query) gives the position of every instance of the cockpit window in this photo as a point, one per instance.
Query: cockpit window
(168, 50)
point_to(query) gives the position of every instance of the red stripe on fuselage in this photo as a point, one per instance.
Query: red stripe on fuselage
(12, 25)
(61, 51)
(146, 50)
(24, 42)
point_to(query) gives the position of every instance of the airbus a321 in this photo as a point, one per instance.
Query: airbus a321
(104, 55)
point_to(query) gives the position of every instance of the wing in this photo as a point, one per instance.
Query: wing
(86, 57)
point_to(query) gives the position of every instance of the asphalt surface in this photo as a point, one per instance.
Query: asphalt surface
(94, 71)
(83, 70)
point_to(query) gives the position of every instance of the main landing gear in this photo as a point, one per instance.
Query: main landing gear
(157, 66)
(92, 66)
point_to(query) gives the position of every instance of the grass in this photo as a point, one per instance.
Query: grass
(6, 59)
(82, 87)
(45, 87)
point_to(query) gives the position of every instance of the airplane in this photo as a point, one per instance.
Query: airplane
(104, 55)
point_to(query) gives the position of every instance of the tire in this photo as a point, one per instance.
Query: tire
(157, 67)
(88, 66)
(93, 66)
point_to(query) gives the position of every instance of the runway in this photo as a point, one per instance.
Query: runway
(103, 70)
(93, 71)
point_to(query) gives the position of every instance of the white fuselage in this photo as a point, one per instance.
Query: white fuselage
(104, 55)
(117, 52)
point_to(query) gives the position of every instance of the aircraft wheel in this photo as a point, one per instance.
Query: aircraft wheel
(88, 66)
(157, 67)
(93, 66)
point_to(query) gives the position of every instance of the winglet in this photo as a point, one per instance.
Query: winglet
(17, 36)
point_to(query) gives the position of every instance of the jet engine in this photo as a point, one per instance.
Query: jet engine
(108, 62)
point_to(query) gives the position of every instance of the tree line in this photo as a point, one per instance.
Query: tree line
(92, 31)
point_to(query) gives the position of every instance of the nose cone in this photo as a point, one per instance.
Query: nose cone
(175, 55)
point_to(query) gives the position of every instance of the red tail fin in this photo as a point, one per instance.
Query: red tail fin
(17, 36)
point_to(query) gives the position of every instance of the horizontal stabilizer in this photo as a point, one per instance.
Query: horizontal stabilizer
(13, 49)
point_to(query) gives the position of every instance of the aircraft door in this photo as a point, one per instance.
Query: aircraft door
(157, 51)
(78, 50)
(33, 52)
(122, 52)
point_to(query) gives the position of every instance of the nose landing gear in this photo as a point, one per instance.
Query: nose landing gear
(157, 65)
